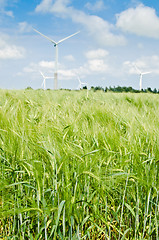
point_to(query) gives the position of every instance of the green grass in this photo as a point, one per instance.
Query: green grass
(78, 167)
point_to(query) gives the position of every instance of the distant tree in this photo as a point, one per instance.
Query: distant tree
(29, 88)
(98, 88)
(149, 89)
(136, 91)
(123, 89)
(111, 89)
(155, 90)
(106, 89)
(85, 87)
(118, 89)
(130, 89)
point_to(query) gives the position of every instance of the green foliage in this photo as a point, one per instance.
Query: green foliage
(120, 89)
(76, 167)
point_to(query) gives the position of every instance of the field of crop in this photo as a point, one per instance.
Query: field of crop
(78, 167)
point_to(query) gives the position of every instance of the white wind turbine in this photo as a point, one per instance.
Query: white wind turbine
(82, 83)
(141, 75)
(44, 80)
(56, 56)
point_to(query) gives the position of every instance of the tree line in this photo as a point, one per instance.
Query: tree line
(122, 89)
(117, 89)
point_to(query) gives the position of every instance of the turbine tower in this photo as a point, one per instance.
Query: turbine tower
(44, 79)
(56, 55)
(141, 75)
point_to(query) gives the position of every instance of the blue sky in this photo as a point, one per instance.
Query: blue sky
(114, 37)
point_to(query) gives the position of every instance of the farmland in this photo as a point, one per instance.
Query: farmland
(78, 167)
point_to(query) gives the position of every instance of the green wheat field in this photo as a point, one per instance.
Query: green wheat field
(79, 167)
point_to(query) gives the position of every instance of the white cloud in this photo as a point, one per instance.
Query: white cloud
(144, 64)
(97, 27)
(10, 51)
(99, 5)
(42, 65)
(129, 68)
(149, 63)
(66, 74)
(3, 4)
(69, 58)
(24, 27)
(99, 53)
(48, 69)
(96, 61)
(47, 64)
(97, 65)
(93, 65)
(8, 13)
(59, 6)
(31, 68)
(141, 21)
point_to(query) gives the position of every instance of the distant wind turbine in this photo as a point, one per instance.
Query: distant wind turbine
(82, 83)
(44, 79)
(56, 57)
(141, 75)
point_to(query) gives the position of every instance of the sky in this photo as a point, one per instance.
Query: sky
(115, 36)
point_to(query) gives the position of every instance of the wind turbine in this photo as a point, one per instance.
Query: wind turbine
(141, 75)
(56, 56)
(82, 83)
(44, 79)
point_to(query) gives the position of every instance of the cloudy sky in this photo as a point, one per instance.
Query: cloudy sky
(114, 37)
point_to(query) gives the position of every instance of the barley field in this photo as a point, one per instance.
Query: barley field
(79, 167)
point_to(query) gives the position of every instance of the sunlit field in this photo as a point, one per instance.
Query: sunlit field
(78, 167)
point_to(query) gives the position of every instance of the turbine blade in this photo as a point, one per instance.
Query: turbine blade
(137, 68)
(67, 37)
(42, 74)
(79, 80)
(45, 36)
(145, 73)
